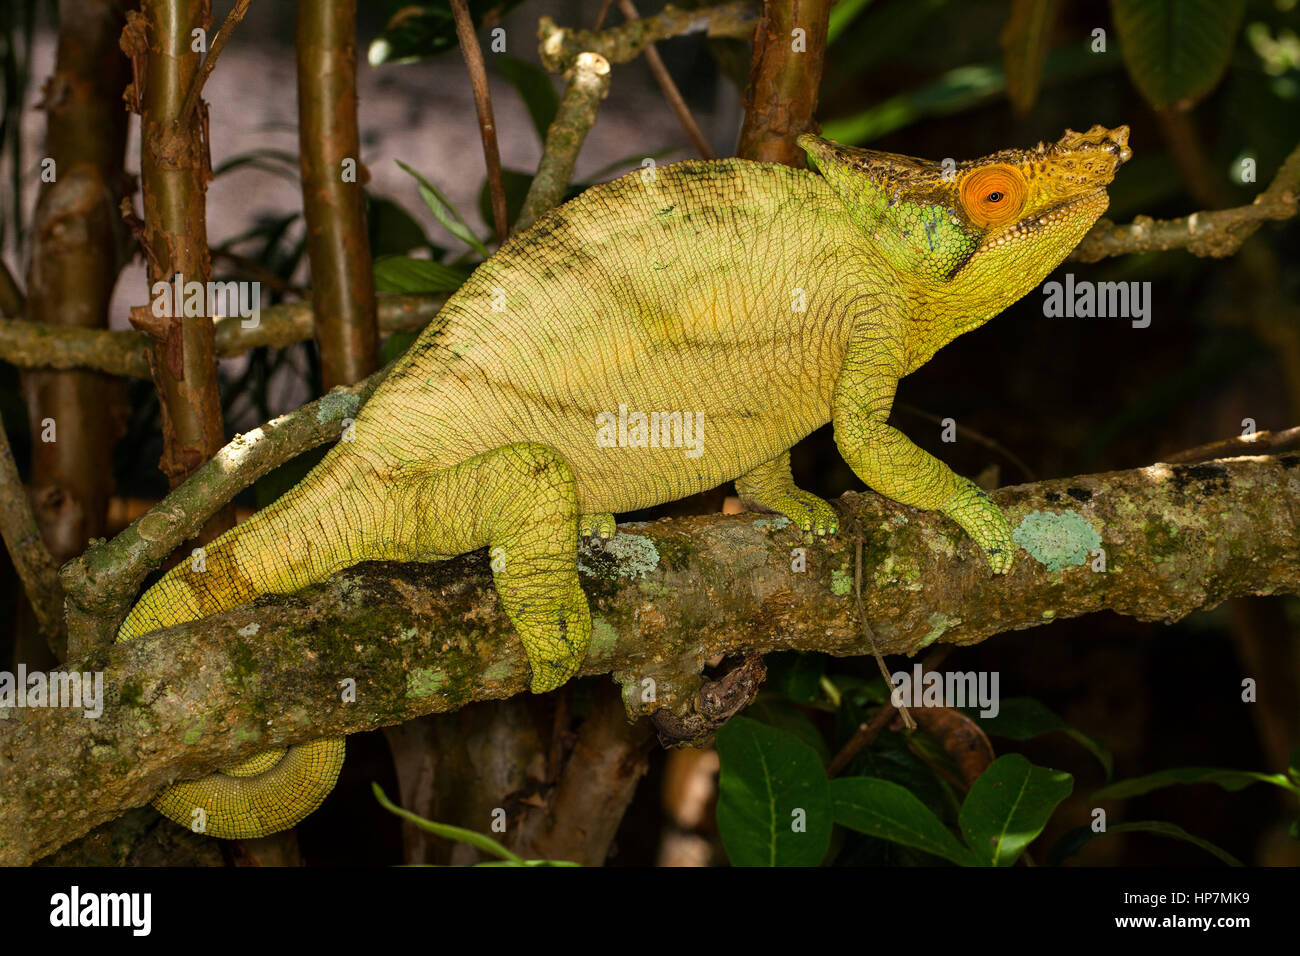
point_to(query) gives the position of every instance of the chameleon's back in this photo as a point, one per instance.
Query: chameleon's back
(645, 293)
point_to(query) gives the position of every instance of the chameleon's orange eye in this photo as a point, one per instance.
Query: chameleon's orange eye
(994, 195)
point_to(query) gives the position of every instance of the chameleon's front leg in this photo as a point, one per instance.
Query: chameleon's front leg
(771, 486)
(887, 461)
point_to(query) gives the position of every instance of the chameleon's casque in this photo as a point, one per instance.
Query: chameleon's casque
(763, 301)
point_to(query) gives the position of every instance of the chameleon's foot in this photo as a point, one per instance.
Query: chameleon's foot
(973, 509)
(596, 526)
(771, 486)
(809, 513)
(555, 634)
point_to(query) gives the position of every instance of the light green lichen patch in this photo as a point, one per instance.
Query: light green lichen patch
(603, 638)
(499, 670)
(1057, 540)
(407, 633)
(337, 406)
(777, 522)
(841, 582)
(195, 732)
(424, 682)
(940, 624)
(249, 630)
(634, 556)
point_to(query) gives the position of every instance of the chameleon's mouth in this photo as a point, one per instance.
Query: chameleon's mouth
(1068, 210)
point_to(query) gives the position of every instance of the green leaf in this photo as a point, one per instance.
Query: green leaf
(795, 674)
(1072, 842)
(477, 840)
(1025, 39)
(1293, 766)
(770, 779)
(1023, 718)
(1008, 806)
(842, 15)
(1176, 51)
(1229, 780)
(275, 161)
(778, 712)
(535, 89)
(883, 809)
(394, 231)
(404, 274)
(417, 31)
(445, 212)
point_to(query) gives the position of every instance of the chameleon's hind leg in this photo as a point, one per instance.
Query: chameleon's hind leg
(521, 501)
(772, 486)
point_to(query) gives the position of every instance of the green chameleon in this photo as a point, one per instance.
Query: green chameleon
(757, 301)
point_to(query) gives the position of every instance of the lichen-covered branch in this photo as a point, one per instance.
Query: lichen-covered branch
(1216, 233)
(338, 246)
(586, 84)
(102, 582)
(665, 598)
(560, 46)
(40, 345)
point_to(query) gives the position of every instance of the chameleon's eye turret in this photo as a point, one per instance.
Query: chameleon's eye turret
(993, 195)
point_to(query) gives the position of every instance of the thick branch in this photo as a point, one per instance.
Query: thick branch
(665, 597)
(338, 247)
(784, 76)
(1216, 233)
(38, 345)
(102, 582)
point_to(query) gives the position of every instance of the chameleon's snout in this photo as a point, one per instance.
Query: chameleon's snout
(1088, 159)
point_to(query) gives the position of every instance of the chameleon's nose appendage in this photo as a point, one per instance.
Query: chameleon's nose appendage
(1091, 157)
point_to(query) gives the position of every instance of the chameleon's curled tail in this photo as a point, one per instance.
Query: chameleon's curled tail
(303, 538)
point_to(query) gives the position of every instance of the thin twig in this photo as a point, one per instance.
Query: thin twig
(11, 294)
(871, 636)
(600, 17)
(1258, 443)
(974, 436)
(22, 536)
(483, 103)
(210, 61)
(670, 91)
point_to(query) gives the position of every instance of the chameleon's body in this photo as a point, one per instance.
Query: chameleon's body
(765, 299)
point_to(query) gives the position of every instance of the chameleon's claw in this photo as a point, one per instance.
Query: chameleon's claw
(599, 527)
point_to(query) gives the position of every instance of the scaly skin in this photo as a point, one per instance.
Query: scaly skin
(767, 299)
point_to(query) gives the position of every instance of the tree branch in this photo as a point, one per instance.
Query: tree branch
(669, 89)
(586, 84)
(487, 125)
(102, 582)
(666, 597)
(22, 536)
(1216, 233)
(38, 345)
(560, 46)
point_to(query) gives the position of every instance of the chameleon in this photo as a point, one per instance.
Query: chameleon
(756, 301)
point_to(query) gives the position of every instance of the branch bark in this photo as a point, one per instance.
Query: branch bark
(174, 173)
(1215, 233)
(41, 345)
(781, 97)
(666, 597)
(342, 280)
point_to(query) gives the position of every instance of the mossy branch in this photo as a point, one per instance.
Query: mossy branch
(1215, 233)
(666, 597)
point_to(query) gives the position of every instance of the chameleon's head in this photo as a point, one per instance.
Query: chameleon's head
(986, 230)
